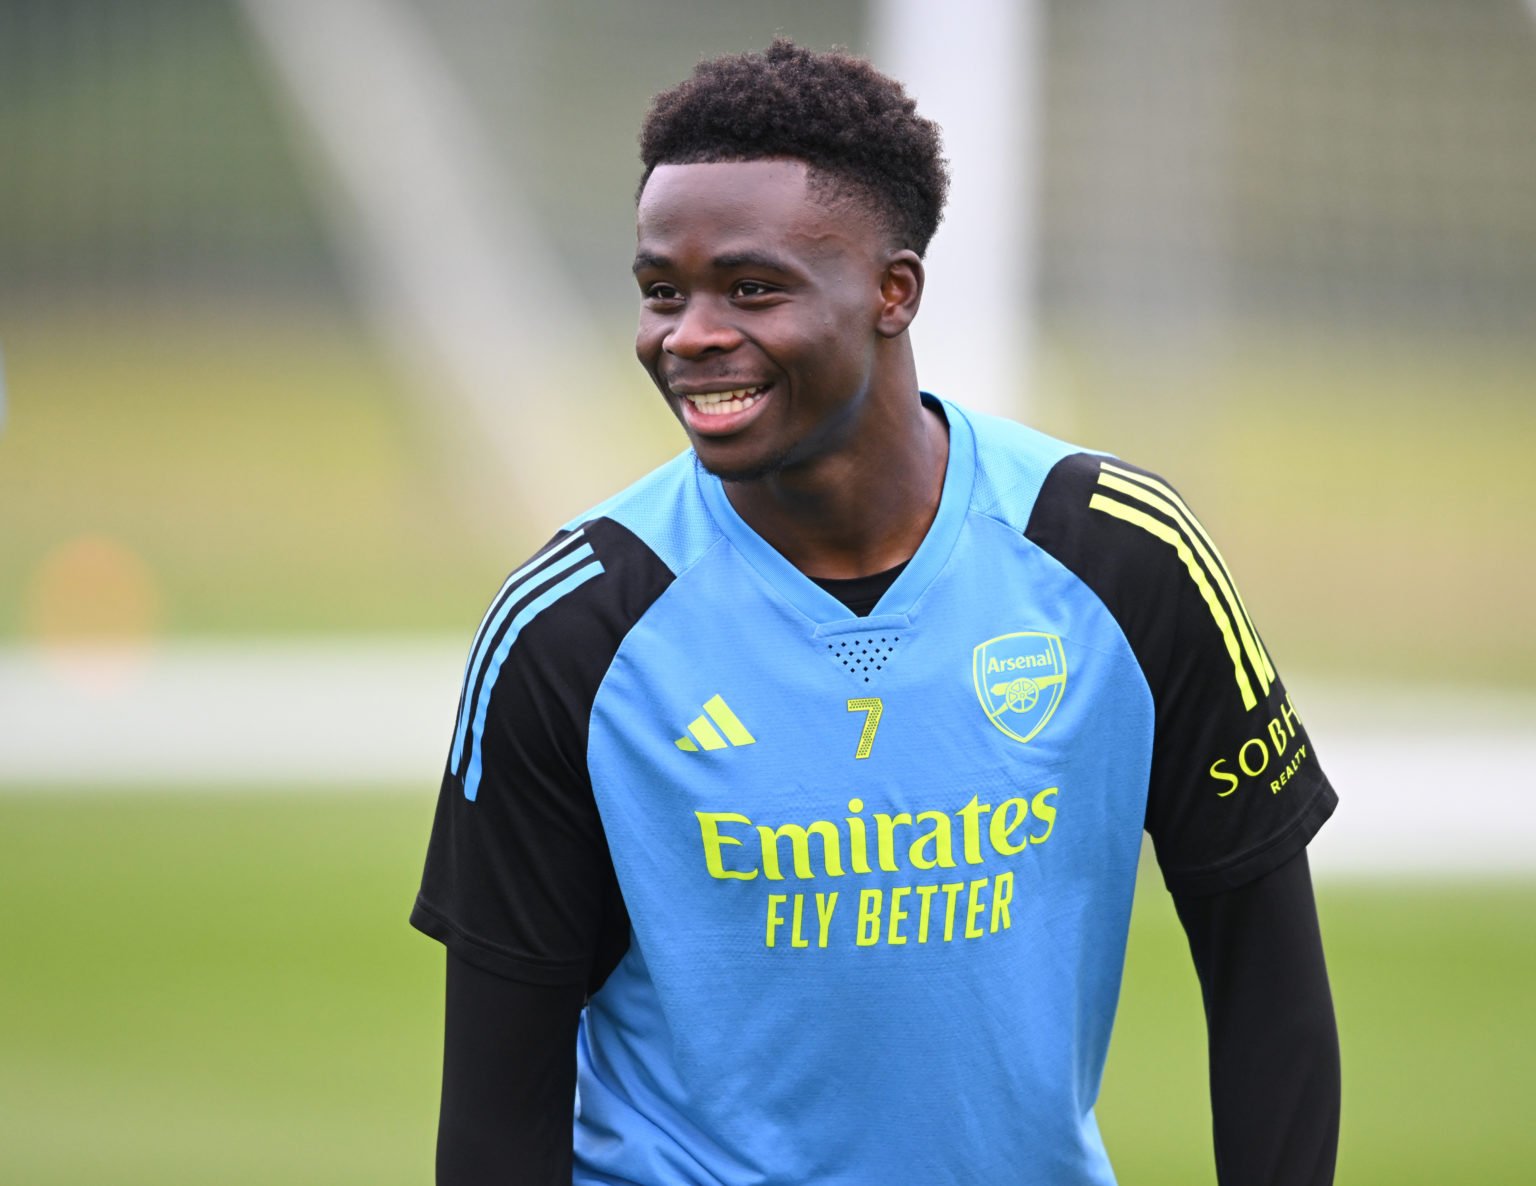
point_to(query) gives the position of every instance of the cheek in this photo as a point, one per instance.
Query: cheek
(648, 339)
(648, 351)
(846, 337)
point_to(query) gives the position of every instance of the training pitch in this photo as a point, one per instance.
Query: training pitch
(223, 988)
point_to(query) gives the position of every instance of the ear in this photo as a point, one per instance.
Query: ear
(901, 292)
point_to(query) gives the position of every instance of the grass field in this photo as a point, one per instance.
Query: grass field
(222, 988)
(274, 479)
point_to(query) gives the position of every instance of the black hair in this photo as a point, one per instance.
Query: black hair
(856, 128)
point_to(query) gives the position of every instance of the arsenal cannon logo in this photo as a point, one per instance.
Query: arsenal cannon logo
(1019, 680)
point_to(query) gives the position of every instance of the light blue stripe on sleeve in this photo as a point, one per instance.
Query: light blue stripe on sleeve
(512, 580)
(483, 701)
(488, 632)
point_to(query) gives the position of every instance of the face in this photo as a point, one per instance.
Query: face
(763, 307)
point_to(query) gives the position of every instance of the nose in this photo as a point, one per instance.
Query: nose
(700, 329)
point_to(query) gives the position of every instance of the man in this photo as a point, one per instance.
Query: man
(815, 765)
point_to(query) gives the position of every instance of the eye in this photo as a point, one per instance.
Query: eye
(661, 294)
(748, 289)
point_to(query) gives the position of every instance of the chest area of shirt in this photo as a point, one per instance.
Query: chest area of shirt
(1004, 679)
(765, 774)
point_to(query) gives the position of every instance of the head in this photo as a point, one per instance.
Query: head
(786, 203)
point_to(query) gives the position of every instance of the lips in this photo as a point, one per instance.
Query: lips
(716, 413)
(724, 403)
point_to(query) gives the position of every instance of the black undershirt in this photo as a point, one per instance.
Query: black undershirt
(860, 594)
(509, 1057)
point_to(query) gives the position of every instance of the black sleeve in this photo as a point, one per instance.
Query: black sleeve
(1235, 788)
(1274, 1052)
(518, 878)
(509, 1080)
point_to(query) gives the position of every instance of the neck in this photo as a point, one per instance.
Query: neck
(863, 507)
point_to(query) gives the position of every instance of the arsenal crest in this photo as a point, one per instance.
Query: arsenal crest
(1019, 680)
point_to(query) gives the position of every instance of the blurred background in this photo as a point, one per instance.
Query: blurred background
(316, 318)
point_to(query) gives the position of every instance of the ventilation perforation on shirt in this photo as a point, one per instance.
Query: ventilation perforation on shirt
(865, 655)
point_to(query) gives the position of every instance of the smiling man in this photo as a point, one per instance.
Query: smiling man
(792, 814)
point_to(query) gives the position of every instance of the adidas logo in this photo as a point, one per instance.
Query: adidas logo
(706, 729)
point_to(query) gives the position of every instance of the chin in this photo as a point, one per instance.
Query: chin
(746, 469)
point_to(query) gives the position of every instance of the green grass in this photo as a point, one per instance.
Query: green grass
(211, 989)
(275, 479)
(269, 473)
(1432, 984)
(222, 988)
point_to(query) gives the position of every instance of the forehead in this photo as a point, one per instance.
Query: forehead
(735, 203)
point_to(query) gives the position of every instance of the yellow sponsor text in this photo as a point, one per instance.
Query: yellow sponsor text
(1289, 771)
(1268, 753)
(895, 916)
(738, 849)
(789, 912)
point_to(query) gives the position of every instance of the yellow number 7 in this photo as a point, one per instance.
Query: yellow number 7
(871, 707)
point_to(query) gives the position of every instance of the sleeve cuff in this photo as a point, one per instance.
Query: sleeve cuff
(491, 957)
(1264, 858)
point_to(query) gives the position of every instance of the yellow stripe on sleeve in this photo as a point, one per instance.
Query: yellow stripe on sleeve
(1172, 495)
(1159, 529)
(1251, 647)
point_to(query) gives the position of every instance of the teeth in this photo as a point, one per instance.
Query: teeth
(723, 403)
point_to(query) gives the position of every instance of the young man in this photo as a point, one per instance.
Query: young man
(815, 765)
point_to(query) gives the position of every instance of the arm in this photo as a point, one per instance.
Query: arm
(509, 1080)
(1274, 1052)
(519, 884)
(1235, 792)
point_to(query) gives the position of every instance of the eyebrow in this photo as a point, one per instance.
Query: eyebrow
(751, 259)
(739, 259)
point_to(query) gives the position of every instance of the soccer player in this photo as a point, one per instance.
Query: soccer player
(792, 815)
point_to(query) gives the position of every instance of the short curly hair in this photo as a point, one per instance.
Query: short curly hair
(856, 128)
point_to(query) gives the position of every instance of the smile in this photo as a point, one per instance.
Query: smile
(724, 403)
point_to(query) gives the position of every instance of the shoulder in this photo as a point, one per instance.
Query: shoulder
(1130, 537)
(1123, 531)
(1119, 526)
(602, 569)
(551, 631)
(662, 513)
(1014, 464)
(1103, 518)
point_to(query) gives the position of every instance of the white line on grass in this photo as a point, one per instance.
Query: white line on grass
(1431, 779)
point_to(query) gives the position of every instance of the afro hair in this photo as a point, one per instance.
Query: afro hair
(856, 128)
